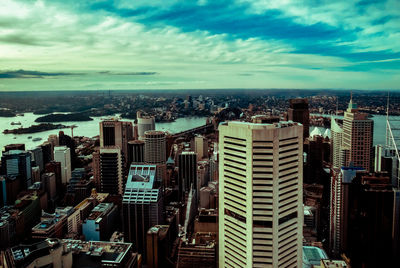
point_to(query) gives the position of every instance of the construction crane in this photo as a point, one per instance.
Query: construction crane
(72, 130)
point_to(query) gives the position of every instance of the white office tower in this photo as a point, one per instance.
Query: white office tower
(62, 154)
(336, 143)
(261, 194)
(144, 123)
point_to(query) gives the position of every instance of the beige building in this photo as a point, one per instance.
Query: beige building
(357, 137)
(352, 141)
(260, 194)
(201, 146)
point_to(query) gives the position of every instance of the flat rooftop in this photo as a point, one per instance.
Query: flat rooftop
(95, 253)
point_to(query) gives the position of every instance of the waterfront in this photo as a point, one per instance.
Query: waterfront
(86, 128)
(91, 128)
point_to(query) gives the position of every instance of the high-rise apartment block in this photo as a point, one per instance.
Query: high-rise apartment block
(62, 154)
(260, 198)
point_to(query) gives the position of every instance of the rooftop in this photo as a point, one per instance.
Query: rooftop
(100, 210)
(312, 256)
(102, 252)
(141, 176)
(27, 253)
(281, 124)
(326, 263)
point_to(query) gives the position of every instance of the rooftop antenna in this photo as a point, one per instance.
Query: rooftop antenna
(337, 105)
(351, 95)
(387, 122)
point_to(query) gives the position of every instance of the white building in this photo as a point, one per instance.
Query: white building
(62, 154)
(336, 143)
(260, 194)
(144, 123)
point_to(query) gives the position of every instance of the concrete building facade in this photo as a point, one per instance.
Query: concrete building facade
(260, 194)
(62, 154)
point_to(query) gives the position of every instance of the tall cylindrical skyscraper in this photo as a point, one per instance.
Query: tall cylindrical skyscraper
(154, 152)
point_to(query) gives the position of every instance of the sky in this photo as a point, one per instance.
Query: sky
(162, 44)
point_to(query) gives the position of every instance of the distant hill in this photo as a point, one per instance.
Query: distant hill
(63, 118)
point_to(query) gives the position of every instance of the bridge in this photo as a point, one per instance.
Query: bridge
(201, 130)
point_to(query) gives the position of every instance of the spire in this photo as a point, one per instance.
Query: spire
(351, 104)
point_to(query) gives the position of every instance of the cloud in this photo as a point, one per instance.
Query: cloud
(309, 34)
(127, 73)
(241, 43)
(32, 74)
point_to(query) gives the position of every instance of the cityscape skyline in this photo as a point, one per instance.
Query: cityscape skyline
(269, 184)
(62, 45)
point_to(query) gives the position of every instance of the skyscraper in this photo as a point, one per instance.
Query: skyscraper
(37, 156)
(187, 175)
(298, 112)
(116, 133)
(201, 146)
(373, 222)
(62, 154)
(357, 137)
(141, 204)
(155, 152)
(336, 142)
(144, 123)
(111, 170)
(339, 206)
(18, 163)
(260, 198)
